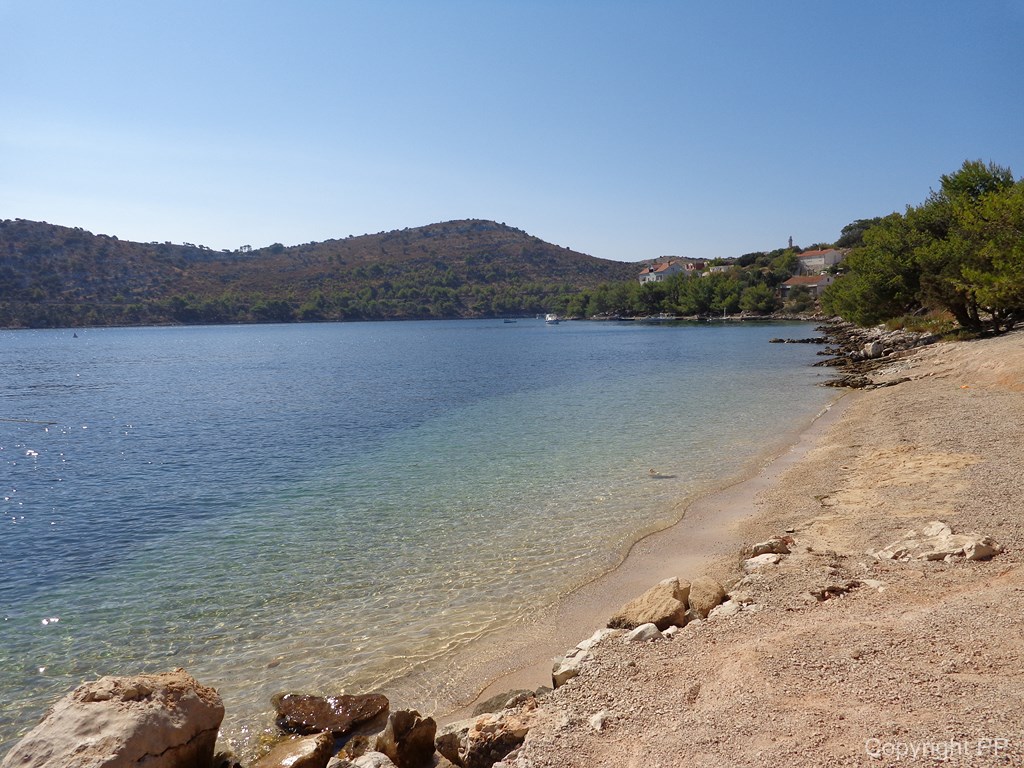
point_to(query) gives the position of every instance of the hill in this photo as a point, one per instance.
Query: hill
(53, 276)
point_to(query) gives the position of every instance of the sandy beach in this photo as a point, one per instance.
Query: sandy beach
(839, 657)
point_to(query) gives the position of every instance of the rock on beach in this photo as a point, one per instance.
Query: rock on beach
(165, 720)
(306, 714)
(663, 605)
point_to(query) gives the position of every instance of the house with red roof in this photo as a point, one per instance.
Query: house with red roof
(814, 283)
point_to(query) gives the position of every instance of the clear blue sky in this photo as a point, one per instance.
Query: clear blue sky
(627, 130)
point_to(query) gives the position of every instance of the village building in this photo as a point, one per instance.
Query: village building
(816, 262)
(816, 284)
(656, 273)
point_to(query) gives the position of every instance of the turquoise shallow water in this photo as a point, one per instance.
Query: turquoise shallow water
(258, 504)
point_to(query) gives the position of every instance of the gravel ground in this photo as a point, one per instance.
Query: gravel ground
(923, 664)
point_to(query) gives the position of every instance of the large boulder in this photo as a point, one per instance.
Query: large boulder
(873, 350)
(663, 605)
(408, 739)
(303, 752)
(705, 595)
(166, 720)
(491, 738)
(305, 714)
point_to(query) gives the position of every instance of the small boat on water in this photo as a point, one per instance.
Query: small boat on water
(508, 320)
(551, 318)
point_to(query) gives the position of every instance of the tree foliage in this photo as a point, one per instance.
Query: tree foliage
(750, 289)
(961, 250)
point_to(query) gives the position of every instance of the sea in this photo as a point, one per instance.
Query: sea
(329, 508)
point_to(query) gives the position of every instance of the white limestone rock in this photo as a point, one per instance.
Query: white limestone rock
(726, 610)
(600, 720)
(760, 561)
(936, 541)
(569, 666)
(645, 633)
(372, 760)
(166, 720)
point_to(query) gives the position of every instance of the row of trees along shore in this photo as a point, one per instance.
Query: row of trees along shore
(959, 252)
(748, 285)
(957, 256)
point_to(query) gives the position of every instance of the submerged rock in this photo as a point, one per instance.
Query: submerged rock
(166, 720)
(305, 714)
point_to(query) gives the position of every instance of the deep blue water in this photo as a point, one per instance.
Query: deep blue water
(222, 498)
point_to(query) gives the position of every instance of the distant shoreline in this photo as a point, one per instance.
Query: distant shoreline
(702, 319)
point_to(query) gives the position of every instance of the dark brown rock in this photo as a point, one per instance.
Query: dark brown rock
(338, 715)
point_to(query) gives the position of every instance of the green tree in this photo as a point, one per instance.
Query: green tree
(959, 251)
(998, 279)
(758, 298)
(852, 234)
(882, 277)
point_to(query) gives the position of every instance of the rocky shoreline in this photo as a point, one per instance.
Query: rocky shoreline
(856, 352)
(874, 618)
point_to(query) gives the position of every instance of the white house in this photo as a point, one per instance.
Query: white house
(816, 262)
(661, 271)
